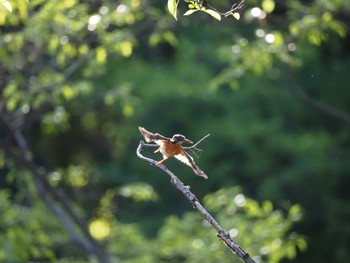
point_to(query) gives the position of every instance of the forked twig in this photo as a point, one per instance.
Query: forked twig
(193, 151)
(194, 148)
(233, 8)
(222, 235)
(195, 145)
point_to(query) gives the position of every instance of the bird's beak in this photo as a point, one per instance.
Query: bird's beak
(187, 141)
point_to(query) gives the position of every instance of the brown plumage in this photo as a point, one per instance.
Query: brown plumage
(169, 147)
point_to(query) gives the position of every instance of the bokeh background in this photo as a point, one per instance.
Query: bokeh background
(78, 77)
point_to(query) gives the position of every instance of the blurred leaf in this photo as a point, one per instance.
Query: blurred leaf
(99, 228)
(125, 48)
(295, 212)
(6, 4)
(77, 176)
(267, 207)
(140, 192)
(68, 92)
(101, 55)
(268, 5)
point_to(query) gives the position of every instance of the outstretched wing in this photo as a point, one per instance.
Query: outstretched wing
(152, 137)
(187, 159)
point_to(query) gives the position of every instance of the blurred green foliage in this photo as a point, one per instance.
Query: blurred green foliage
(78, 77)
(192, 239)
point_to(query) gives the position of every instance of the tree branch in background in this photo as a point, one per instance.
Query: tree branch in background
(74, 67)
(306, 98)
(55, 200)
(222, 235)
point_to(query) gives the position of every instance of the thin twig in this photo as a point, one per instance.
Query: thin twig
(195, 154)
(222, 235)
(313, 102)
(73, 68)
(234, 7)
(195, 145)
(194, 148)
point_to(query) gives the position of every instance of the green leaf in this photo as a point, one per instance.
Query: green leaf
(236, 15)
(268, 5)
(301, 243)
(172, 7)
(267, 207)
(190, 12)
(213, 13)
(6, 4)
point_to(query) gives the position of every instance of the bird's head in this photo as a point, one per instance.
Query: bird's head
(178, 138)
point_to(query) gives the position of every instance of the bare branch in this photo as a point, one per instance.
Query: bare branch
(59, 213)
(306, 98)
(55, 200)
(74, 67)
(222, 235)
(59, 204)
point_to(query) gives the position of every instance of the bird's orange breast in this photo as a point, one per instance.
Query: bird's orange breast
(170, 149)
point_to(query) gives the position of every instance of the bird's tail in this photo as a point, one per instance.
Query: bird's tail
(195, 168)
(199, 172)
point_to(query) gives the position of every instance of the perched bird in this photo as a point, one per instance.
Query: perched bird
(172, 147)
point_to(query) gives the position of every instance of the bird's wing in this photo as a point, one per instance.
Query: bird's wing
(152, 137)
(187, 159)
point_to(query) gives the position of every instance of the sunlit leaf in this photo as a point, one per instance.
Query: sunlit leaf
(293, 28)
(139, 192)
(213, 13)
(128, 110)
(77, 176)
(268, 5)
(295, 213)
(301, 243)
(236, 15)
(267, 206)
(154, 39)
(6, 4)
(279, 40)
(338, 27)
(290, 251)
(101, 55)
(172, 7)
(109, 99)
(190, 12)
(99, 228)
(327, 16)
(170, 38)
(125, 48)
(68, 92)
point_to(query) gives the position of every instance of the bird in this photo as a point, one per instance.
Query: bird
(172, 147)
